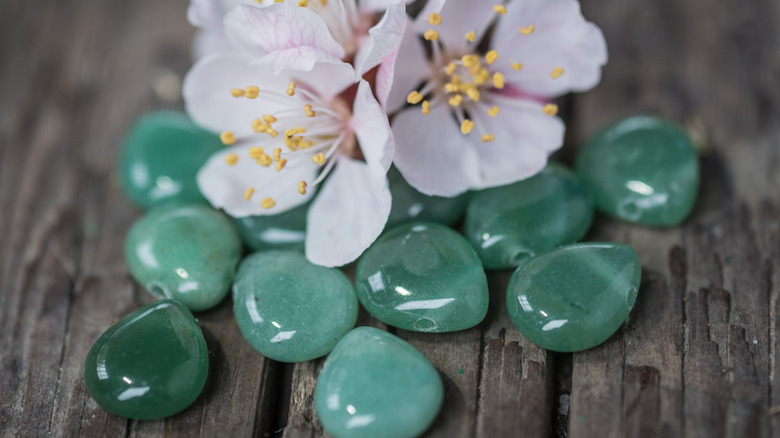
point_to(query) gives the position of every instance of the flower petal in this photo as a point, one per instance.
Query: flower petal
(224, 185)
(561, 39)
(207, 42)
(383, 39)
(379, 5)
(458, 19)
(372, 129)
(208, 14)
(208, 99)
(327, 78)
(293, 38)
(404, 76)
(347, 215)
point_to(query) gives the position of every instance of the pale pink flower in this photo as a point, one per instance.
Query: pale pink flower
(289, 131)
(482, 118)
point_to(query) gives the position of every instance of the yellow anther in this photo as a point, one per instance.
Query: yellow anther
(488, 137)
(473, 94)
(324, 2)
(227, 137)
(527, 30)
(300, 129)
(456, 100)
(466, 127)
(291, 89)
(470, 60)
(302, 187)
(272, 132)
(303, 3)
(289, 132)
(550, 109)
(252, 92)
(264, 160)
(556, 73)
(256, 152)
(236, 92)
(256, 123)
(231, 159)
(493, 111)
(267, 203)
(498, 80)
(248, 193)
(263, 127)
(501, 9)
(482, 76)
(414, 98)
(280, 165)
(491, 57)
(278, 1)
(277, 154)
(517, 65)
(319, 158)
(471, 36)
(309, 110)
(431, 35)
(434, 19)
(451, 67)
(426, 107)
(269, 118)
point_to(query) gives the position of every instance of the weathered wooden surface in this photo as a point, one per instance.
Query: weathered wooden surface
(696, 358)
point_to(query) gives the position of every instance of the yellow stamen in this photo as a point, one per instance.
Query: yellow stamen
(517, 66)
(473, 94)
(277, 154)
(426, 107)
(434, 19)
(272, 132)
(501, 9)
(291, 89)
(231, 159)
(550, 109)
(527, 30)
(488, 137)
(264, 160)
(431, 35)
(269, 118)
(451, 88)
(227, 137)
(493, 111)
(256, 152)
(308, 109)
(466, 127)
(267, 203)
(324, 2)
(262, 127)
(414, 98)
(236, 92)
(319, 158)
(470, 60)
(302, 187)
(456, 100)
(450, 68)
(491, 57)
(556, 73)
(303, 3)
(248, 193)
(498, 80)
(280, 165)
(289, 132)
(471, 36)
(252, 92)
(482, 76)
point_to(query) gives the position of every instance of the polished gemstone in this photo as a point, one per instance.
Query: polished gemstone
(286, 230)
(161, 156)
(423, 277)
(187, 252)
(642, 169)
(290, 309)
(574, 297)
(376, 385)
(510, 223)
(151, 364)
(411, 205)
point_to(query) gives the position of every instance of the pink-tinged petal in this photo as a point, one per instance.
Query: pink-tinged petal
(561, 39)
(208, 99)
(224, 185)
(347, 215)
(458, 19)
(292, 37)
(379, 5)
(398, 80)
(432, 154)
(208, 42)
(208, 14)
(383, 39)
(370, 124)
(327, 78)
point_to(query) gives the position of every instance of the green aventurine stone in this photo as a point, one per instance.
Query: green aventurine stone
(423, 277)
(511, 223)
(376, 385)
(162, 154)
(151, 364)
(285, 230)
(574, 297)
(290, 309)
(411, 205)
(187, 252)
(641, 169)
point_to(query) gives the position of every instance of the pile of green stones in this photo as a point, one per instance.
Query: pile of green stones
(420, 275)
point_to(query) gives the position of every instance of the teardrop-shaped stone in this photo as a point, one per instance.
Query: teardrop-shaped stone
(574, 297)
(290, 309)
(510, 223)
(376, 385)
(411, 205)
(187, 252)
(642, 169)
(286, 230)
(151, 364)
(161, 155)
(423, 277)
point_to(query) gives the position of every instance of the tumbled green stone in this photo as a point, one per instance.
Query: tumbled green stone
(286, 230)
(423, 277)
(510, 223)
(574, 297)
(151, 364)
(411, 205)
(187, 252)
(376, 385)
(161, 155)
(642, 169)
(290, 309)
